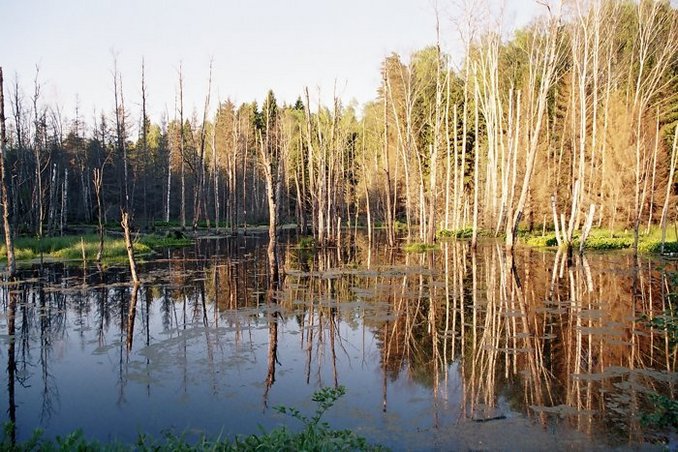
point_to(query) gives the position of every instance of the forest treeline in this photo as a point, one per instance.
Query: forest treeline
(569, 124)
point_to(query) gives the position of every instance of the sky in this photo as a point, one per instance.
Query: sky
(255, 45)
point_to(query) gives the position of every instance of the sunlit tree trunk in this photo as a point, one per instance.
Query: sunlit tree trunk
(215, 177)
(545, 54)
(656, 48)
(433, 162)
(120, 128)
(199, 191)
(476, 165)
(669, 185)
(182, 153)
(38, 144)
(144, 132)
(390, 232)
(124, 222)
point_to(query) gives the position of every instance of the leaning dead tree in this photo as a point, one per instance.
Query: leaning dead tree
(130, 247)
(9, 243)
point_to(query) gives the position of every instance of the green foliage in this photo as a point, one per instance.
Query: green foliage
(70, 247)
(463, 233)
(541, 241)
(315, 436)
(154, 241)
(602, 243)
(655, 246)
(664, 412)
(112, 249)
(667, 321)
(306, 243)
(399, 226)
(419, 247)
(603, 240)
(72, 441)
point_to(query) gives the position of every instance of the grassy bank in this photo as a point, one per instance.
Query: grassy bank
(599, 239)
(605, 239)
(71, 247)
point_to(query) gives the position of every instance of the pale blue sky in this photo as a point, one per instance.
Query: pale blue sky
(284, 45)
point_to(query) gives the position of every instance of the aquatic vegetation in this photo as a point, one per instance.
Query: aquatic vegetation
(155, 241)
(419, 247)
(542, 241)
(71, 247)
(463, 233)
(654, 246)
(315, 436)
(603, 240)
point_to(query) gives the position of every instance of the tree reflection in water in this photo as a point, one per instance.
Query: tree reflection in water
(487, 335)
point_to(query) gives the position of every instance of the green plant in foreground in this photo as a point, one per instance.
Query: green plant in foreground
(316, 436)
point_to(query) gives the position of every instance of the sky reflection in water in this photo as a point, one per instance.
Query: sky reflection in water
(443, 349)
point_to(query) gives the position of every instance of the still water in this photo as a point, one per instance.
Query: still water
(447, 349)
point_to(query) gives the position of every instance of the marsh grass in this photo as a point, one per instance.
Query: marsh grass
(605, 239)
(70, 247)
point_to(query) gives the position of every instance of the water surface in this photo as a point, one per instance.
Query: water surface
(445, 349)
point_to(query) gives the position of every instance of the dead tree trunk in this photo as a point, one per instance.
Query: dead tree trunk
(130, 247)
(181, 149)
(9, 243)
(669, 185)
(97, 179)
(199, 191)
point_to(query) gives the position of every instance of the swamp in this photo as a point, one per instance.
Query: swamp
(452, 348)
(438, 227)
